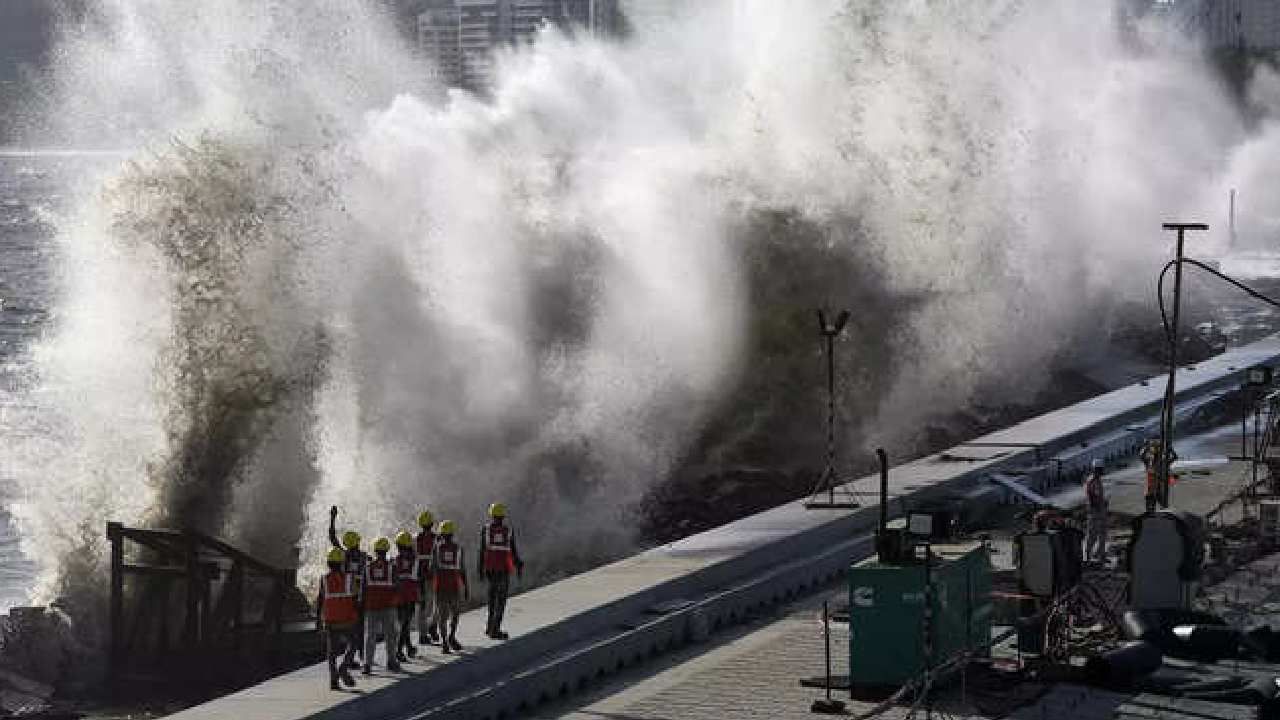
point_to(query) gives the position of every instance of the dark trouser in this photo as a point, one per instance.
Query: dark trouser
(499, 587)
(359, 634)
(406, 625)
(448, 608)
(340, 640)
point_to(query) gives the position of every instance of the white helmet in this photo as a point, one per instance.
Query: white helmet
(1098, 464)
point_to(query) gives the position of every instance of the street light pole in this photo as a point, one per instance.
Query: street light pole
(1160, 494)
(830, 330)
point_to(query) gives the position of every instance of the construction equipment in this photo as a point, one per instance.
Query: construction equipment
(1166, 559)
(887, 610)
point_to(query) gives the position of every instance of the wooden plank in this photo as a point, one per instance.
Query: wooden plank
(117, 600)
(155, 570)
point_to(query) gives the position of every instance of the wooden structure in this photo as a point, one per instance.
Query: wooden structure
(185, 595)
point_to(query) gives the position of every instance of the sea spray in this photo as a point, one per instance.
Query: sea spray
(316, 284)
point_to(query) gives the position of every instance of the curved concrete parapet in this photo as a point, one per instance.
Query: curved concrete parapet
(568, 634)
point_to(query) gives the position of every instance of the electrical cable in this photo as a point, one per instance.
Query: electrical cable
(1164, 316)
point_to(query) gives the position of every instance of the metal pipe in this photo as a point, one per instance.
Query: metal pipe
(826, 636)
(1167, 416)
(117, 600)
(831, 417)
(884, 489)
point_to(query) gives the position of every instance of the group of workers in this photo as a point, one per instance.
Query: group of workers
(1095, 543)
(364, 598)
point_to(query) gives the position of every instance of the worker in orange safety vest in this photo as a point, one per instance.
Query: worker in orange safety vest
(498, 559)
(381, 593)
(424, 546)
(449, 579)
(406, 569)
(337, 603)
(354, 560)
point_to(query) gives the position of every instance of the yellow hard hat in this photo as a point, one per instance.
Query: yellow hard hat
(336, 555)
(446, 527)
(425, 519)
(351, 539)
(404, 539)
(497, 510)
(381, 545)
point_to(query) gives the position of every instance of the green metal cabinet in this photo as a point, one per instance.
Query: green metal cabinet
(886, 619)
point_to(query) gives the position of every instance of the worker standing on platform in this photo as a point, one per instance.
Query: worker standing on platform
(337, 610)
(449, 579)
(425, 544)
(380, 606)
(1150, 456)
(354, 560)
(406, 568)
(498, 558)
(1096, 514)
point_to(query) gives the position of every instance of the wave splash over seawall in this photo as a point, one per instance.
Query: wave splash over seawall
(321, 280)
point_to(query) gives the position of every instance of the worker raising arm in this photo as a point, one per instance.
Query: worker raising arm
(354, 560)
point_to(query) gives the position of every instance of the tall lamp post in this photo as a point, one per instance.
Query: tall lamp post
(1160, 494)
(830, 330)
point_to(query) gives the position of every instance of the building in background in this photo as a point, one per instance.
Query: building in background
(1243, 24)
(1247, 25)
(439, 38)
(460, 36)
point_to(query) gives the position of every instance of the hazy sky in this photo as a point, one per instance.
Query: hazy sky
(23, 33)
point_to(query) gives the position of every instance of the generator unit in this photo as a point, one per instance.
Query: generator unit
(1166, 560)
(1049, 562)
(886, 612)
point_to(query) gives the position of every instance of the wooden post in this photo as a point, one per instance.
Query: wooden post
(237, 587)
(117, 601)
(208, 573)
(191, 627)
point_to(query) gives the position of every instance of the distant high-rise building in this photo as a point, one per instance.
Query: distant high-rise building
(481, 29)
(648, 16)
(439, 40)
(1242, 24)
(461, 35)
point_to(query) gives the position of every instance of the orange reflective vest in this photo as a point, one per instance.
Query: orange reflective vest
(497, 549)
(425, 544)
(339, 599)
(447, 567)
(406, 568)
(379, 585)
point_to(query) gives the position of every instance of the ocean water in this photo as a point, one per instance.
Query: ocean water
(32, 185)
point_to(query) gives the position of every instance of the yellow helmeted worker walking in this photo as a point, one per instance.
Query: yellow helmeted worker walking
(353, 563)
(380, 606)
(425, 545)
(498, 558)
(406, 567)
(449, 578)
(337, 606)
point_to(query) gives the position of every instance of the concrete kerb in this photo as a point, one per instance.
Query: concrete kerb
(662, 634)
(763, 576)
(445, 684)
